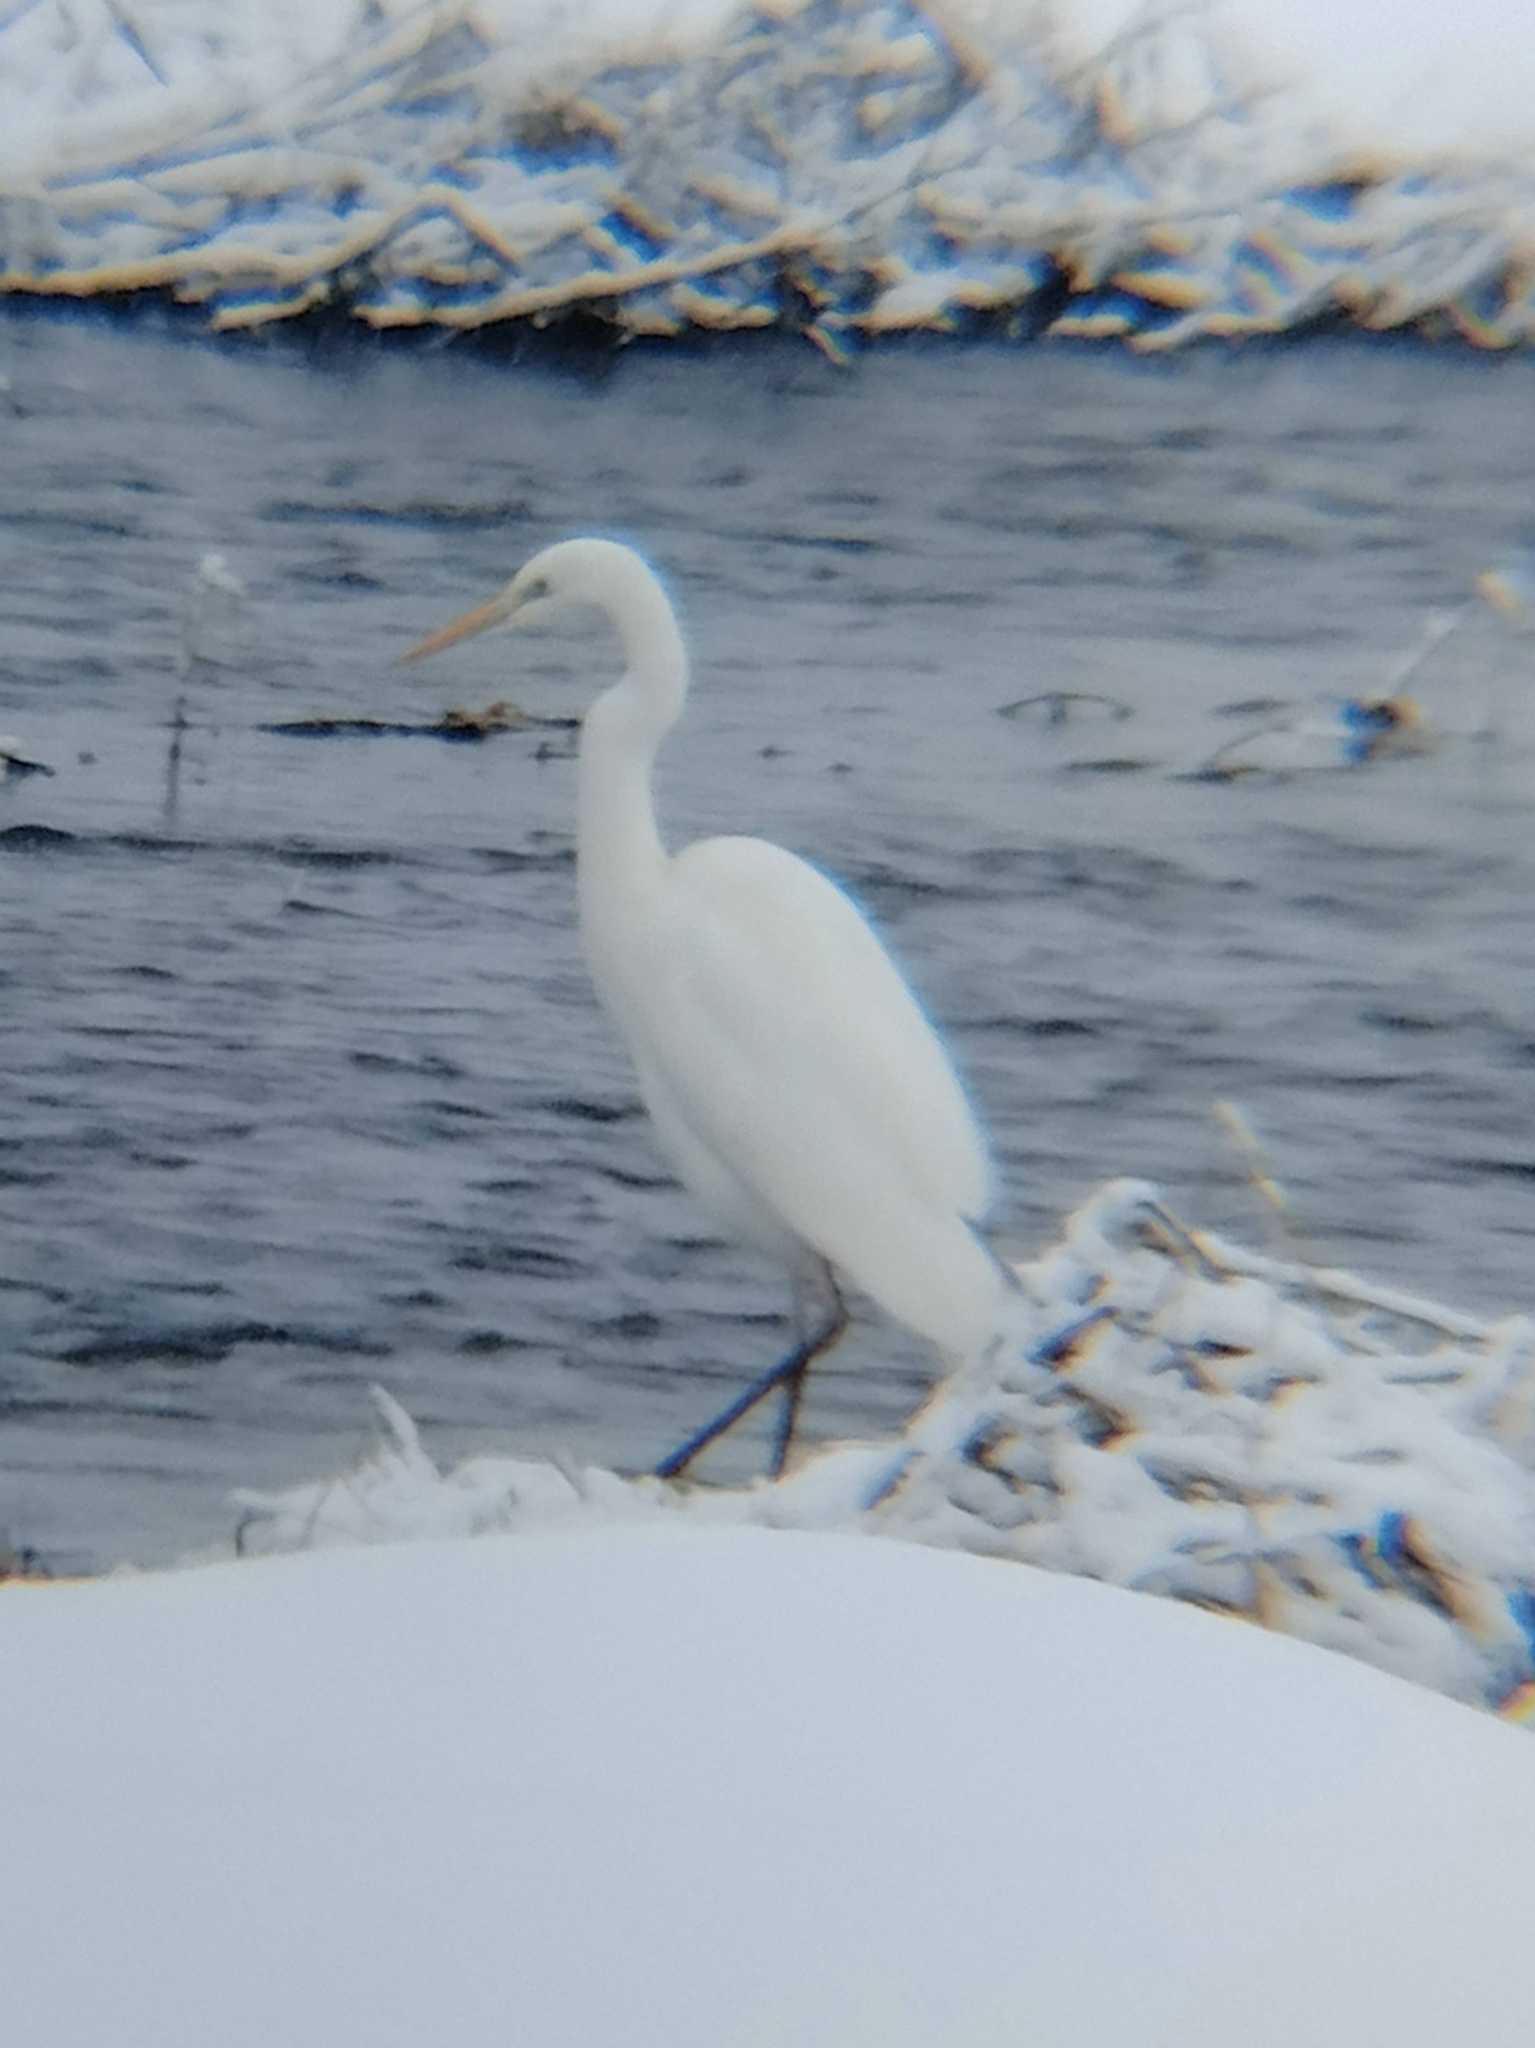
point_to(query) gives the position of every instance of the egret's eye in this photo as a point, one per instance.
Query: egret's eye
(538, 588)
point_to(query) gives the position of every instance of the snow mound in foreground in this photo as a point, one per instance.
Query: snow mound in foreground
(731, 1787)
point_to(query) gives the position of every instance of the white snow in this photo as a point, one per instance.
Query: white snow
(851, 167)
(731, 1787)
(1339, 1462)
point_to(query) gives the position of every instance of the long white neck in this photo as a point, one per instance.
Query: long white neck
(621, 862)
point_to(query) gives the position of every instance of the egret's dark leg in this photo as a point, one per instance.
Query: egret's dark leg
(822, 1300)
(789, 1373)
(743, 1404)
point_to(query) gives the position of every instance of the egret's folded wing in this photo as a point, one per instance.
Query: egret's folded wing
(798, 1055)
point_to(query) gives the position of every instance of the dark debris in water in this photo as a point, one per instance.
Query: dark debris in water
(457, 726)
(1056, 707)
(35, 838)
(1255, 707)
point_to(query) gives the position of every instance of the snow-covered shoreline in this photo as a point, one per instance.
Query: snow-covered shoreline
(842, 168)
(1340, 1463)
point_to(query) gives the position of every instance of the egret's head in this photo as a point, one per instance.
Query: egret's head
(595, 572)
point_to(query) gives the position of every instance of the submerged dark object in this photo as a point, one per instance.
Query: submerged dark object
(18, 764)
(501, 716)
(1052, 704)
(34, 838)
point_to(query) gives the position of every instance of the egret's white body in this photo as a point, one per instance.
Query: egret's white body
(791, 1076)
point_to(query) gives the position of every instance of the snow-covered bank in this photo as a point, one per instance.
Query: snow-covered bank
(849, 168)
(733, 1788)
(1337, 1462)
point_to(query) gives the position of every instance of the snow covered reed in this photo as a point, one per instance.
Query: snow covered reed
(846, 168)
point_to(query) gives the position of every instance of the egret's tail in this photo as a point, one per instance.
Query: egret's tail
(942, 1280)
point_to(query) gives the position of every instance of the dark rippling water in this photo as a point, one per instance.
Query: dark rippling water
(304, 1083)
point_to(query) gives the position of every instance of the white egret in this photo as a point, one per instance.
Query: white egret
(791, 1076)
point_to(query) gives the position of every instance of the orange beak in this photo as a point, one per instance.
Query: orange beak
(477, 621)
